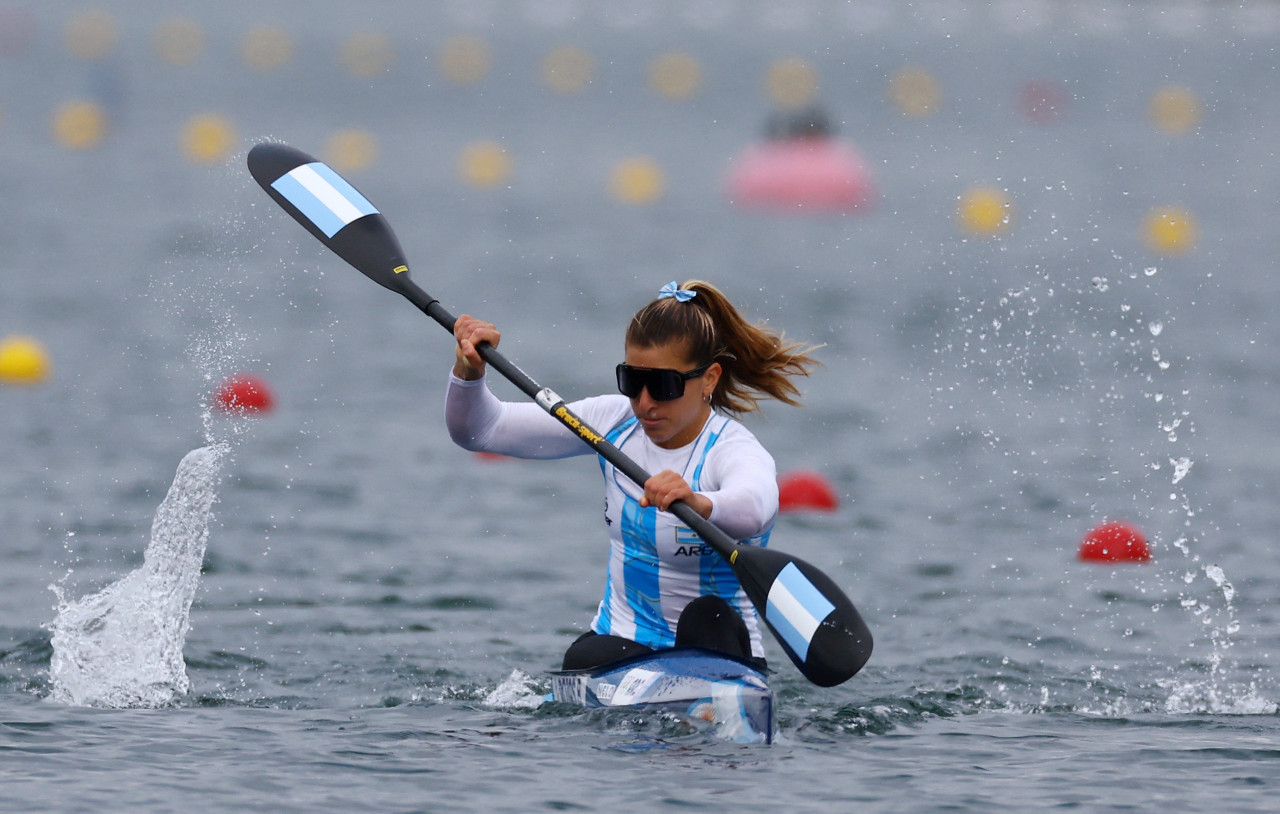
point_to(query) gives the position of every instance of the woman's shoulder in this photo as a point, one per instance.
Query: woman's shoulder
(733, 438)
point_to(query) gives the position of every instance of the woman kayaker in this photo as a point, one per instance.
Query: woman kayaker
(691, 363)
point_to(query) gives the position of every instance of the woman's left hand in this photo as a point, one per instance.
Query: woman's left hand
(666, 487)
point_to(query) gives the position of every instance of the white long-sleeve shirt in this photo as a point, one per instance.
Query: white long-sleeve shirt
(657, 565)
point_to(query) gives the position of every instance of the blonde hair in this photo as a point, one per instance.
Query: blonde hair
(757, 362)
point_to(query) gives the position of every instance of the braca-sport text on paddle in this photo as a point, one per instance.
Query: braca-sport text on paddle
(816, 624)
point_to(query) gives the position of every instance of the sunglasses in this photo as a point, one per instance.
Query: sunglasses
(663, 383)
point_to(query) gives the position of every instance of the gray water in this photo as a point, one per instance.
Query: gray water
(378, 608)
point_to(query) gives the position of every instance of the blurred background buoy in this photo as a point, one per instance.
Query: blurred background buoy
(1042, 101)
(351, 150)
(791, 83)
(367, 54)
(17, 29)
(23, 360)
(1174, 110)
(915, 93)
(179, 41)
(984, 211)
(208, 139)
(568, 69)
(79, 125)
(484, 164)
(675, 76)
(465, 60)
(1169, 230)
(91, 35)
(244, 394)
(1115, 541)
(266, 49)
(638, 180)
(806, 490)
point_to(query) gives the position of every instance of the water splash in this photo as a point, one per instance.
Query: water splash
(517, 691)
(1207, 684)
(122, 646)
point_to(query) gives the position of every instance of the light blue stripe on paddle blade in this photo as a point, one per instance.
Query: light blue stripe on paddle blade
(323, 197)
(795, 609)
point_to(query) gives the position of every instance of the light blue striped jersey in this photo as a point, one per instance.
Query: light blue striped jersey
(657, 565)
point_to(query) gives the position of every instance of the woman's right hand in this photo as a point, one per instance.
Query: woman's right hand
(469, 332)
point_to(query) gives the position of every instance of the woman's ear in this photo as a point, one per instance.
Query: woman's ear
(711, 379)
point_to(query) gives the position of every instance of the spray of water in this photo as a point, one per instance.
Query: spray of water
(517, 691)
(1208, 684)
(122, 646)
(1014, 347)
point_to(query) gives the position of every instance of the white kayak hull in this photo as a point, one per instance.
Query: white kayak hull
(686, 681)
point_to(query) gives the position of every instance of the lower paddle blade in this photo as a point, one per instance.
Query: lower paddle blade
(332, 210)
(816, 624)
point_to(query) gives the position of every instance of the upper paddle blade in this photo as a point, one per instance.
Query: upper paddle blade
(816, 624)
(332, 210)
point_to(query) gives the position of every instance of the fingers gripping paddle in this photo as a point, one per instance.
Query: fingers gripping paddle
(813, 620)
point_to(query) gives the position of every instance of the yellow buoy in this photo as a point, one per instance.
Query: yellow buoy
(1170, 230)
(351, 150)
(23, 360)
(675, 76)
(637, 180)
(367, 54)
(567, 69)
(914, 92)
(984, 211)
(465, 60)
(179, 41)
(791, 83)
(1174, 109)
(90, 35)
(484, 164)
(207, 139)
(266, 49)
(79, 125)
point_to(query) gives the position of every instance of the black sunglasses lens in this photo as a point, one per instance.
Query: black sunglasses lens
(662, 384)
(665, 385)
(629, 384)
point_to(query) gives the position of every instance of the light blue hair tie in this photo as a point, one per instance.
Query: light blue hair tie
(672, 290)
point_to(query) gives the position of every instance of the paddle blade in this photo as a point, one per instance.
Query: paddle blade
(816, 624)
(332, 210)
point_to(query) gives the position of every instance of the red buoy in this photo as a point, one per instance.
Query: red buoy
(805, 490)
(244, 394)
(1115, 541)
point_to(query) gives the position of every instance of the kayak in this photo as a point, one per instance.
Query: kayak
(690, 682)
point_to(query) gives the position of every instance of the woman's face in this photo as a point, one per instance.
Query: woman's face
(672, 424)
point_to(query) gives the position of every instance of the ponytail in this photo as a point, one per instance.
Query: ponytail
(756, 362)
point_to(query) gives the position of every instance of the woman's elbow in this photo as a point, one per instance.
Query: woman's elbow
(466, 439)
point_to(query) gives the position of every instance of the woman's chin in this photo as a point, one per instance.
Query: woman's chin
(656, 432)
